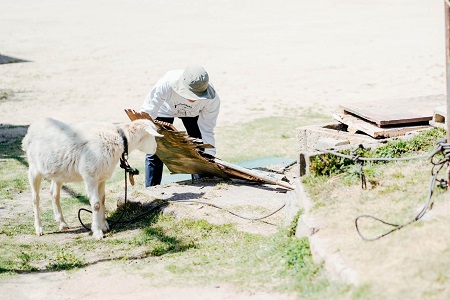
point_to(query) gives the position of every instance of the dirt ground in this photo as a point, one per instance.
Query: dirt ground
(93, 59)
(104, 278)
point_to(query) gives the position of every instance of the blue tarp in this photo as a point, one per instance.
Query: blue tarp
(249, 164)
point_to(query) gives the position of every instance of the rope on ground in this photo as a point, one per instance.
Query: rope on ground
(442, 146)
(127, 169)
(233, 213)
(163, 203)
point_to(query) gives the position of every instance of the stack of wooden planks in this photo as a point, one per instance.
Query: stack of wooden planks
(390, 118)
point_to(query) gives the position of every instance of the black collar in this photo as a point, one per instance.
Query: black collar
(125, 141)
(124, 159)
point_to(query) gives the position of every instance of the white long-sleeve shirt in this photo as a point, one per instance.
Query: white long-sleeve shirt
(163, 101)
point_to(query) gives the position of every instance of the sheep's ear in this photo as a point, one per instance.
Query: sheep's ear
(152, 131)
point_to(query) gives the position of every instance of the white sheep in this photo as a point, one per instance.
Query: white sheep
(87, 151)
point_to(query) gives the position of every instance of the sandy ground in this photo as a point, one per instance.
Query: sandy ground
(92, 59)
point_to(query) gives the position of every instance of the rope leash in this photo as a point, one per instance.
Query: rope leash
(165, 202)
(442, 146)
(129, 170)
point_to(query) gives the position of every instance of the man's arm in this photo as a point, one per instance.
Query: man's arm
(207, 122)
(159, 93)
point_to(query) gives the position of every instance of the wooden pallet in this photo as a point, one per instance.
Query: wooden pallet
(395, 112)
(357, 124)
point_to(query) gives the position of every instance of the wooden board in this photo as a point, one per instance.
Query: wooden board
(182, 155)
(356, 124)
(394, 112)
(178, 151)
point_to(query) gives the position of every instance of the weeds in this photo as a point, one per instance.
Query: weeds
(64, 260)
(330, 164)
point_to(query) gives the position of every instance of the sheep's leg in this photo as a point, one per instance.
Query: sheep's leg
(92, 189)
(35, 180)
(101, 192)
(55, 190)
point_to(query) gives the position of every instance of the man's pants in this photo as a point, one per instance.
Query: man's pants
(153, 165)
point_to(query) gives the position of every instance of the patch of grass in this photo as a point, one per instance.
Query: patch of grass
(293, 226)
(13, 171)
(330, 164)
(392, 180)
(13, 228)
(352, 173)
(17, 257)
(223, 254)
(265, 137)
(193, 252)
(396, 192)
(64, 260)
(423, 142)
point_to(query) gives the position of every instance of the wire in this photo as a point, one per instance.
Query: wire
(425, 208)
(230, 212)
(442, 146)
(165, 202)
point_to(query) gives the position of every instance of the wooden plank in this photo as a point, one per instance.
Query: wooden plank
(253, 175)
(392, 112)
(178, 151)
(356, 124)
(181, 154)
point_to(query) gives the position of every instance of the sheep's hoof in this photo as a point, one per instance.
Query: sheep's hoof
(39, 231)
(98, 235)
(63, 226)
(105, 227)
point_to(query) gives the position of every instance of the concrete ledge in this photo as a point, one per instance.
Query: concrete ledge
(327, 136)
(312, 139)
(321, 248)
(293, 206)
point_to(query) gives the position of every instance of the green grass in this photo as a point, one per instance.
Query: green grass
(13, 170)
(193, 252)
(330, 164)
(326, 166)
(266, 137)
